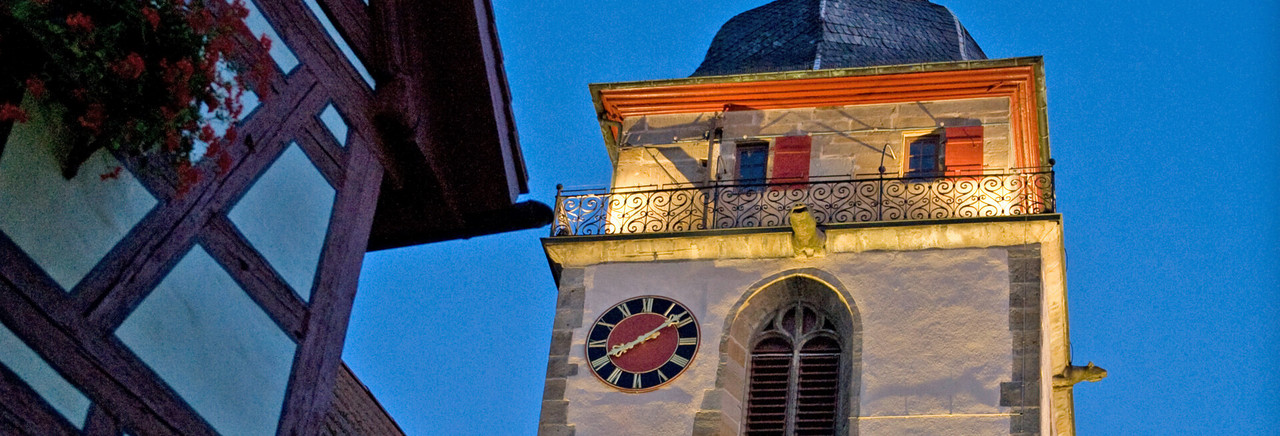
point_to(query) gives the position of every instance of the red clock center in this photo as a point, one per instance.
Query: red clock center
(648, 355)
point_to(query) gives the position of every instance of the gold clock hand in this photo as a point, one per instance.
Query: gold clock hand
(617, 350)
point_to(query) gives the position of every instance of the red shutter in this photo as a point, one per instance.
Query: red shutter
(791, 159)
(964, 150)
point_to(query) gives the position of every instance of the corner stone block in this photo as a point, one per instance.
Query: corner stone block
(1028, 251)
(1026, 422)
(561, 342)
(555, 430)
(567, 319)
(553, 389)
(554, 412)
(706, 424)
(1024, 295)
(1024, 270)
(558, 366)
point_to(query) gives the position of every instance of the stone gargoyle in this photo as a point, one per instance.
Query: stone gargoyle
(806, 238)
(1075, 374)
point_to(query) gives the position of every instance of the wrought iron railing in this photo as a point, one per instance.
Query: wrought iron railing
(722, 206)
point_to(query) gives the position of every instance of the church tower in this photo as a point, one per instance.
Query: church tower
(843, 223)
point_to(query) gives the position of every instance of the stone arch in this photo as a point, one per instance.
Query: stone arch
(723, 407)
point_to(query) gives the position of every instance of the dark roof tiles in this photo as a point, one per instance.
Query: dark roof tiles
(790, 35)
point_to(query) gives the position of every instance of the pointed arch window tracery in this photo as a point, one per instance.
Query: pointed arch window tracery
(794, 374)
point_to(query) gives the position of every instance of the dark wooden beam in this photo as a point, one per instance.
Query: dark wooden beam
(351, 18)
(101, 423)
(253, 273)
(311, 384)
(26, 412)
(101, 366)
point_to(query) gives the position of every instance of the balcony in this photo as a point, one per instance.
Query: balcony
(1025, 191)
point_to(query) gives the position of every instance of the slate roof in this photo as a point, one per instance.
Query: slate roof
(788, 35)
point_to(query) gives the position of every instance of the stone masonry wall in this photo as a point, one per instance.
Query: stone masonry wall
(847, 140)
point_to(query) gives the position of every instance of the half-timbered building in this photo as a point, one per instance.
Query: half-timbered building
(130, 306)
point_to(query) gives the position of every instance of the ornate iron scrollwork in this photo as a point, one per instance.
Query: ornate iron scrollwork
(724, 206)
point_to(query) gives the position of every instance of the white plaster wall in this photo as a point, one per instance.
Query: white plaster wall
(23, 361)
(66, 226)
(279, 52)
(935, 328)
(285, 215)
(203, 335)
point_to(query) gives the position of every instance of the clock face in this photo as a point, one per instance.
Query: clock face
(641, 344)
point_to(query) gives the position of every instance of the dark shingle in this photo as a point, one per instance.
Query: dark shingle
(790, 35)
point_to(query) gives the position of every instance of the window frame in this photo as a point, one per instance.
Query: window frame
(912, 137)
(760, 145)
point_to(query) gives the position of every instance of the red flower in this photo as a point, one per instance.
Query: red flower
(152, 17)
(35, 87)
(131, 67)
(224, 162)
(81, 22)
(185, 67)
(9, 112)
(113, 174)
(200, 21)
(207, 134)
(187, 178)
(171, 140)
(93, 118)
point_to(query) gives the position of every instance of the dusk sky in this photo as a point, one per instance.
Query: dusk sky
(1161, 120)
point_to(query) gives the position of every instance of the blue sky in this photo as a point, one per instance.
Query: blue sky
(1162, 117)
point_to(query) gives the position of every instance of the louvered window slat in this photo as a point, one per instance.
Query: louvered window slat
(794, 375)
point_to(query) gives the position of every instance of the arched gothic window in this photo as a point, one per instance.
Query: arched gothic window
(794, 374)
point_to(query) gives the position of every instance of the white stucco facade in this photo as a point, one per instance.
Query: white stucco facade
(937, 352)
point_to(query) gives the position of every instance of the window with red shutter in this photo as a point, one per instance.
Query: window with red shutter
(794, 375)
(964, 150)
(791, 155)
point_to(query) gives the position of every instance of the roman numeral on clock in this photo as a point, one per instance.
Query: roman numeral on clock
(679, 360)
(688, 341)
(626, 311)
(613, 377)
(599, 363)
(684, 321)
(598, 344)
(648, 305)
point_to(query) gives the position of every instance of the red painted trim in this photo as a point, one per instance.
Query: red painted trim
(1015, 83)
(320, 353)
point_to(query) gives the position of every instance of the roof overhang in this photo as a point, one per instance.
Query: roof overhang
(1019, 79)
(443, 111)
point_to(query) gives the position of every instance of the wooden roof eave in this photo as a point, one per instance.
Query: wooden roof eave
(443, 111)
(1020, 79)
